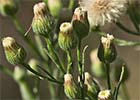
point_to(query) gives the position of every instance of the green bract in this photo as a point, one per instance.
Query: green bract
(8, 7)
(70, 88)
(107, 52)
(55, 7)
(80, 22)
(67, 38)
(15, 54)
(92, 87)
(42, 22)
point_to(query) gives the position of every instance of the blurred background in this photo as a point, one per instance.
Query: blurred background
(9, 89)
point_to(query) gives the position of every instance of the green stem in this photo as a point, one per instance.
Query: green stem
(79, 58)
(126, 29)
(80, 69)
(17, 24)
(52, 54)
(119, 83)
(25, 91)
(125, 91)
(46, 1)
(40, 75)
(83, 60)
(46, 72)
(40, 47)
(71, 4)
(6, 70)
(69, 67)
(121, 42)
(36, 88)
(50, 85)
(52, 91)
(108, 75)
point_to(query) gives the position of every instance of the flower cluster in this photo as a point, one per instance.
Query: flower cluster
(60, 52)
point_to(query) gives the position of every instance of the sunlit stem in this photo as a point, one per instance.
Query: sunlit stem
(108, 75)
(69, 57)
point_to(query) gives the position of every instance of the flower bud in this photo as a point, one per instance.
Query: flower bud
(19, 74)
(55, 7)
(42, 22)
(105, 95)
(107, 52)
(70, 88)
(67, 38)
(97, 66)
(33, 64)
(80, 22)
(8, 7)
(117, 68)
(14, 52)
(92, 86)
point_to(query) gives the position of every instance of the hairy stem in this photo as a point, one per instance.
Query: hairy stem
(52, 54)
(6, 70)
(81, 73)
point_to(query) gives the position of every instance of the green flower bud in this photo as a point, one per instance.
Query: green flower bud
(117, 68)
(105, 95)
(92, 87)
(19, 74)
(14, 52)
(80, 22)
(43, 22)
(33, 64)
(8, 7)
(67, 38)
(55, 7)
(107, 52)
(70, 88)
(97, 66)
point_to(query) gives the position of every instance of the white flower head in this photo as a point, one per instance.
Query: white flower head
(68, 79)
(106, 41)
(80, 13)
(66, 27)
(102, 11)
(104, 95)
(9, 43)
(40, 8)
(88, 78)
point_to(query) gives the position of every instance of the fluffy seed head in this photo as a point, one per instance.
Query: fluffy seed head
(102, 11)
